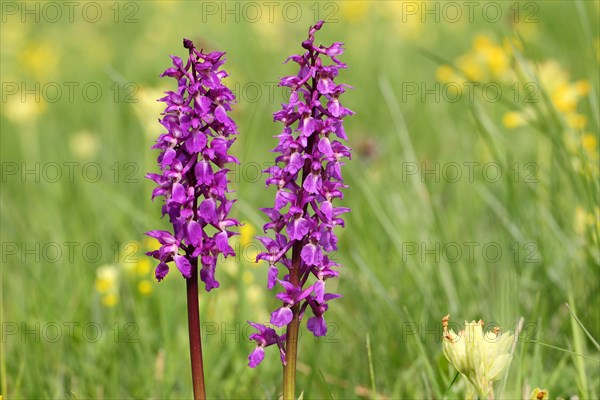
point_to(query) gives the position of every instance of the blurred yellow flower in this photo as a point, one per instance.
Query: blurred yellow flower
(409, 20)
(23, 112)
(486, 60)
(497, 60)
(445, 73)
(40, 59)
(230, 267)
(494, 56)
(576, 121)
(269, 30)
(479, 356)
(145, 287)
(555, 81)
(583, 220)
(150, 244)
(84, 144)
(590, 142)
(143, 266)
(106, 279)
(148, 109)
(354, 11)
(509, 43)
(528, 31)
(481, 43)
(584, 149)
(565, 96)
(107, 285)
(247, 232)
(513, 119)
(110, 300)
(247, 277)
(471, 67)
(254, 294)
(550, 74)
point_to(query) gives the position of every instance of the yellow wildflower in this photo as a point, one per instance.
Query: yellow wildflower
(551, 75)
(107, 285)
(247, 232)
(354, 11)
(143, 266)
(576, 120)
(494, 56)
(150, 244)
(508, 44)
(583, 220)
(482, 43)
(145, 287)
(513, 119)
(110, 300)
(589, 143)
(566, 96)
(40, 59)
(22, 112)
(247, 277)
(444, 73)
(106, 279)
(148, 109)
(471, 67)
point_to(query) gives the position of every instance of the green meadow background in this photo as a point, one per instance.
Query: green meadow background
(478, 207)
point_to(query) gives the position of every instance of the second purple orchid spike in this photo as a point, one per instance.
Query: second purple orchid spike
(308, 181)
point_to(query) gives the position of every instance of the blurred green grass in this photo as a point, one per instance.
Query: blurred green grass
(396, 298)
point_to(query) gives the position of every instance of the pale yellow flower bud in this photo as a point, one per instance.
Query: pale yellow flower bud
(479, 356)
(539, 394)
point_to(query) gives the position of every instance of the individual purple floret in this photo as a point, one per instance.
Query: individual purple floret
(265, 337)
(193, 177)
(308, 179)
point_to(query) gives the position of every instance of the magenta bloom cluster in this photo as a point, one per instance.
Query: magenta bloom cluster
(308, 179)
(193, 177)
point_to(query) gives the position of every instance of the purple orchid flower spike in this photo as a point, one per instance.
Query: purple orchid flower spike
(193, 182)
(308, 181)
(193, 178)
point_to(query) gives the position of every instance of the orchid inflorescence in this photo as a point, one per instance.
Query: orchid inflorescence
(308, 179)
(193, 178)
